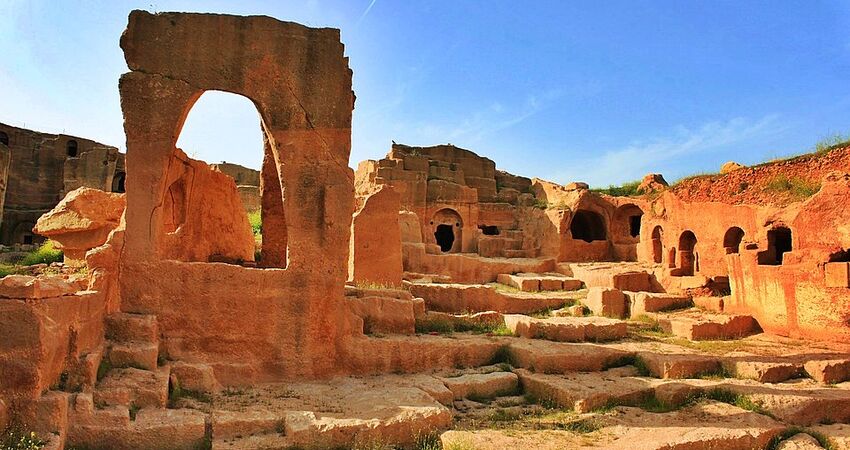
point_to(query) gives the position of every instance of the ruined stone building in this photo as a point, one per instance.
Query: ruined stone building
(426, 289)
(38, 169)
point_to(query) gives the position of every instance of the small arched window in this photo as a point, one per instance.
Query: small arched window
(71, 148)
(4, 138)
(732, 240)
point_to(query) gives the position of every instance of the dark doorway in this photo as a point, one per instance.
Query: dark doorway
(4, 138)
(778, 243)
(687, 253)
(118, 182)
(445, 237)
(588, 226)
(71, 148)
(657, 244)
(732, 240)
(634, 226)
(489, 230)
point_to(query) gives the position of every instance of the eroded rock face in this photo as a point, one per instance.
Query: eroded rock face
(82, 221)
(652, 182)
(299, 80)
(376, 240)
(730, 166)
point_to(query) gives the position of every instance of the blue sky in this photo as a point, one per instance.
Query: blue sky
(599, 91)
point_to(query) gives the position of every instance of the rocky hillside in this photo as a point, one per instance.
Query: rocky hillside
(777, 182)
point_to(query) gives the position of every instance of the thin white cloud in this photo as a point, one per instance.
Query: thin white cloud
(641, 157)
(488, 120)
(368, 8)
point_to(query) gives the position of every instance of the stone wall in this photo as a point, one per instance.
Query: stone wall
(788, 294)
(285, 320)
(42, 168)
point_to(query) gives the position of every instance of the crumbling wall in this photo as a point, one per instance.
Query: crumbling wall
(42, 168)
(249, 323)
(791, 296)
(376, 240)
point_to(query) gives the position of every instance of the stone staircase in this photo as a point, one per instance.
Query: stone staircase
(508, 244)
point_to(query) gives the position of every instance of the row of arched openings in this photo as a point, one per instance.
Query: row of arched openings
(687, 258)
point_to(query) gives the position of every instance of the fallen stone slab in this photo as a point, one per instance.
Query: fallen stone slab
(585, 392)
(482, 386)
(567, 329)
(560, 357)
(828, 370)
(250, 421)
(700, 327)
(141, 355)
(650, 302)
(760, 368)
(665, 365)
(606, 302)
(142, 388)
(800, 441)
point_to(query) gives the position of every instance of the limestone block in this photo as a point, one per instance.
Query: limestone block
(606, 302)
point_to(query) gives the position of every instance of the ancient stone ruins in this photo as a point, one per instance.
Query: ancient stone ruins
(426, 300)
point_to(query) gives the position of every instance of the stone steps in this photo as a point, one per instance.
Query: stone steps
(534, 282)
(566, 329)
(699, 326)
(132, 340)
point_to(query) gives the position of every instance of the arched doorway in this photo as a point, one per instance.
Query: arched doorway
(448, 225)
(657, 244)
(588, 226)
(732, 240)
(779, 242)
(627, 224)
(118, 182)
(688, 259)
(71, 149)
(223, 125)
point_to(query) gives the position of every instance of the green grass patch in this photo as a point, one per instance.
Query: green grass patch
(629, 189)
(798, 188)
(255, 218)
(45, 254)
(832, 142)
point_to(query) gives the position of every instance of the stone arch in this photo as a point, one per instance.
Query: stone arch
(657, 244)
(447, 226)
(688, 258)
(627, 223)
(732, 240)
(118, 182)
(588, 226)
(300, 82)
(779, 242)
(72, 149)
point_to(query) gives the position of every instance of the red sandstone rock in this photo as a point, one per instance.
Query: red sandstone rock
(82, 221)
(730, 166)
(652, 182)
(606, 302)
(376, 240)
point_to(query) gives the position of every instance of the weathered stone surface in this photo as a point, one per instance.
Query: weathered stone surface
(376, 240)
(29, 287)
(82, 221)
(195, 377)
(584, 392)
(567, 329)
(648, 302)
(829, 370)
(730, 166)
(606, 302)
(664, 365)
(551, 357)
(800, 441)
(487, 385)
(34, 186)
(697, 327)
